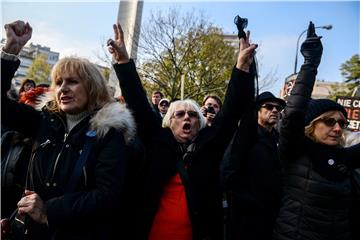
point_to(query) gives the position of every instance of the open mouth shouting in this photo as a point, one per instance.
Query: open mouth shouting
(186, 128)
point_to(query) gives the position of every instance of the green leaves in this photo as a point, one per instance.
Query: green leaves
(175, 44)
(39, 70)
(351, 69)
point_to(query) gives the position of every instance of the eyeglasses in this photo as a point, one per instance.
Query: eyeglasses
(164, 105)
(181, 114)
(270, 107)
(330, 122)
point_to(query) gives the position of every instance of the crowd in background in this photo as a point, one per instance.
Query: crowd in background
(81, 164)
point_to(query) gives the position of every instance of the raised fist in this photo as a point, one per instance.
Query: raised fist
(18, 33)
(19, 28)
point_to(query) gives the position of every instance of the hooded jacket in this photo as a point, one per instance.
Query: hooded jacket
(88, 212)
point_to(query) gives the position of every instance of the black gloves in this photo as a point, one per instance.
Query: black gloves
(312, 48)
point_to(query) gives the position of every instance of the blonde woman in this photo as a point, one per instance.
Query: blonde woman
(64, 199)
(318, 201)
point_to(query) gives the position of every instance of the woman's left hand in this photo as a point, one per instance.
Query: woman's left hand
(32, 205)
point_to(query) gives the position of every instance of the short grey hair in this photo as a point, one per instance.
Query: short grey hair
(186, 102)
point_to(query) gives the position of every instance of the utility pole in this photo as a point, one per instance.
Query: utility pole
(129, 16)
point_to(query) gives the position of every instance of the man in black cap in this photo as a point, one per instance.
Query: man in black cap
(251, 171)
(269, 108)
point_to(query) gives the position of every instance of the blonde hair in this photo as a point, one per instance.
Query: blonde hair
(186, 103)
(309, 129)
(89, 75)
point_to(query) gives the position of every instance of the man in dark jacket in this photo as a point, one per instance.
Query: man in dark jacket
(251, 171)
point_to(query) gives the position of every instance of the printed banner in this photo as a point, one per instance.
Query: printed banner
(352, 107)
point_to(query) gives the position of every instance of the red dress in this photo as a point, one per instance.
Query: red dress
(172, 220)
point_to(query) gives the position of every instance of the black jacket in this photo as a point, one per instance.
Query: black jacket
(251, 176)
(317, 200)
(87, 212)
(163, 151)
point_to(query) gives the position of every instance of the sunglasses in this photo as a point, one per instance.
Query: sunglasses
(181, 114)
(330, 122)
(270, 107)
(164, 105)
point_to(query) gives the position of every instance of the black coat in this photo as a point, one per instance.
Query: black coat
(251, 176)
(163, 151)
(87, 212)
(317, 202)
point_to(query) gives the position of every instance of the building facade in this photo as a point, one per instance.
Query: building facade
(27, 56)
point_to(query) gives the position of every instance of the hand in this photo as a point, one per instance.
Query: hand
(203, 110)
(18, 34)
(312, 48)
(32, 205)
(117, 48)
(5, 228)
(246, 53)
(210, 118)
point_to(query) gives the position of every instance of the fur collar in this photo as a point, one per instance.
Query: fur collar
(114, 115)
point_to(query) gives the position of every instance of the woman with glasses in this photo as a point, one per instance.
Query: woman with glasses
(318, 195)
(181, 198)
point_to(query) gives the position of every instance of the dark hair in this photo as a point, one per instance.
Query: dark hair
(158, 92)
(213, 96)
(45, 85)
(24, 82)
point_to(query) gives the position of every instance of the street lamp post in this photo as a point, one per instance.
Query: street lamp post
(327, 27)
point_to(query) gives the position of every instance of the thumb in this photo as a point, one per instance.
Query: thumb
(112, 43)
(28, 192)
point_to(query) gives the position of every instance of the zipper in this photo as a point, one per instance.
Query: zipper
(57, 159)
(45, 143)
(50, 183)
(85, 176)
(35, 167)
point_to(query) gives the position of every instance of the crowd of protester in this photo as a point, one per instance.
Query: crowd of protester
(242, 168)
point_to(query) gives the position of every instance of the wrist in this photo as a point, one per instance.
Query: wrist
(12, 49)
(8, 56)
(119, 61)
(122, 61)
(244, 68)
(44, 219)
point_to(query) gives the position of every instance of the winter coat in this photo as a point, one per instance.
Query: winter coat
(317, 202)
(163, 152)
(251, 175)
(15, 157)
(88, 212)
